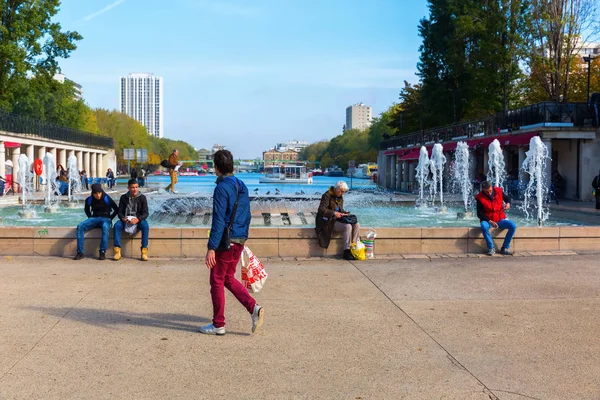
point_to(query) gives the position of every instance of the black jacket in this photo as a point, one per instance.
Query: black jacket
(137, 207)
(100, 208)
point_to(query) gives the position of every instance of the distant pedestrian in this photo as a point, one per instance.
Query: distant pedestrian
(596, 186)
(173, 163)
(110, 178)
(230, 198)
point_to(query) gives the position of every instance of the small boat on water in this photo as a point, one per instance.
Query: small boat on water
(317, 172)
(364, 171)
(287, 174)
(334, 170)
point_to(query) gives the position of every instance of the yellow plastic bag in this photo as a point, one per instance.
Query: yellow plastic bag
(358, 250)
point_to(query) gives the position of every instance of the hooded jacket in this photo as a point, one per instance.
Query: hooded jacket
(325, 220)
(100, 208)
(133, 206)
(224, 198)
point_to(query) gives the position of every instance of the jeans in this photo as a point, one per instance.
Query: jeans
(91, 223)
(142, 226)
(502, 224)
(223, 275)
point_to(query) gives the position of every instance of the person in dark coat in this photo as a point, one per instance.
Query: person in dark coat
(100, 210)
(133, 210)
(331, 210)
(596, 186)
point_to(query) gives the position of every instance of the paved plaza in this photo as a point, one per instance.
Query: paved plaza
(425, 328)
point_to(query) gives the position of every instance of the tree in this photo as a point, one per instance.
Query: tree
(30, 45)
(556, 32)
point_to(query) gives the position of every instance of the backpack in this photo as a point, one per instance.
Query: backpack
(165, 163)
(89, 201)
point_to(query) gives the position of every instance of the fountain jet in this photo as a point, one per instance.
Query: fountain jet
(462, 168)
(537, 188)
(422, 174)
(496, 166)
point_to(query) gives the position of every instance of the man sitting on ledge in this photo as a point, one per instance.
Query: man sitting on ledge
(491, 204)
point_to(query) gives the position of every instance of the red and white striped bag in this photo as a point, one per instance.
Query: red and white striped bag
(253, 271)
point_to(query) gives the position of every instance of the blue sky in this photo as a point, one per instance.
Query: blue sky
(247, 73)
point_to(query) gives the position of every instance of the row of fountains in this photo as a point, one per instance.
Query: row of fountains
(430, 173)
(26, 177)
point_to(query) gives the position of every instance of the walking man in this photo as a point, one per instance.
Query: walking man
(491, 204)
(231, 208)
(133, 211)
(173, 162)
(100, 210)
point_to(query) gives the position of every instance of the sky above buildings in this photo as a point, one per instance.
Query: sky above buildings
(248, 73)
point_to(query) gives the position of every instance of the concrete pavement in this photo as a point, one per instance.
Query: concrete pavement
(448, 328)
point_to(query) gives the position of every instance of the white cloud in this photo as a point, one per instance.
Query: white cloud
(102, 11)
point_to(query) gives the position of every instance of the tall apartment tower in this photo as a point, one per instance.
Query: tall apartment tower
(358, 116)
(141, 98)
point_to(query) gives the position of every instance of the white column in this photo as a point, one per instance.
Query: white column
(62, 157)
(99, 166)
(41, 152)
(86, 162)
(16, 152)
(93, 171)
(29, 152)
(2, 160)
(486, 159)
(79, 155)
(69, 154)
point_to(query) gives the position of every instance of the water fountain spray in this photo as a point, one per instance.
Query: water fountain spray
(496, 166)
(74, 179)
(438, 159)
(422, 173)
(462, 168)
(51, 197)
(537, 187)
(25, 180)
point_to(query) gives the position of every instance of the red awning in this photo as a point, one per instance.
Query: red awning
(412, 155)
(10, 145)
(505, 140)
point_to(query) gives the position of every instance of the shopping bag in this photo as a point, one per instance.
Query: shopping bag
(253, 271)
(369, 242)
(358, 250)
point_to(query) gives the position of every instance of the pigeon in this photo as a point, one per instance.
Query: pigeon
(277, 191)
(316, 192)
(302, 192)
(298, 193)
(256, 190)
(269, 192)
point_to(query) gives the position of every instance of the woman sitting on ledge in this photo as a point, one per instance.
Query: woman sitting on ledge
(329, 216)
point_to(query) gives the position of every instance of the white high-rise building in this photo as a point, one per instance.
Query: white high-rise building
(358, 116)
(141, 98)
(77, 88)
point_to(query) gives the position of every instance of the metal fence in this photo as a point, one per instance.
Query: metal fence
(544, 112)
(28, 126)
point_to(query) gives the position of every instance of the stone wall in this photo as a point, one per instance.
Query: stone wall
(297, 242)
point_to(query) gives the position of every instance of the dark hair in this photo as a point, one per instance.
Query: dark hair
(486, 185)
(132, 182)
(224, 161)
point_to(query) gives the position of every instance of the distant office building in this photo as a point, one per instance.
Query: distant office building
(76, 86)
(358, 116)
(296, 145)
(141, 97)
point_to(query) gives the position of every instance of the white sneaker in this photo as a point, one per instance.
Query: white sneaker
(212, 330)
(257, 317)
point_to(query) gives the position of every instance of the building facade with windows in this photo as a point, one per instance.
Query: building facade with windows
(274, 157)
(77, 88)
(141, 97)
(358, 116)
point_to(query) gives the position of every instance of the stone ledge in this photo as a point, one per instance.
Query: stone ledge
(302, 242)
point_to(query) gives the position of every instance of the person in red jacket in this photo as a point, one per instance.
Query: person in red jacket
(491, 204)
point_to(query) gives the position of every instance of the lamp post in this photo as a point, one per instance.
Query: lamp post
(588, 59)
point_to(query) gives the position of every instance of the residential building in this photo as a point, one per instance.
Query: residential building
(358, 116)
(76, 86)
(296, 145)
(141, 97)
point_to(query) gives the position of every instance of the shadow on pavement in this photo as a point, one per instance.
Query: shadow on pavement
(112, 319)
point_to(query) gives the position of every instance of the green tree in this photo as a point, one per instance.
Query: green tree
(30, 45)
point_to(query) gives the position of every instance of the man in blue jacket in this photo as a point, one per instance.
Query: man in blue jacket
(221, 261)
